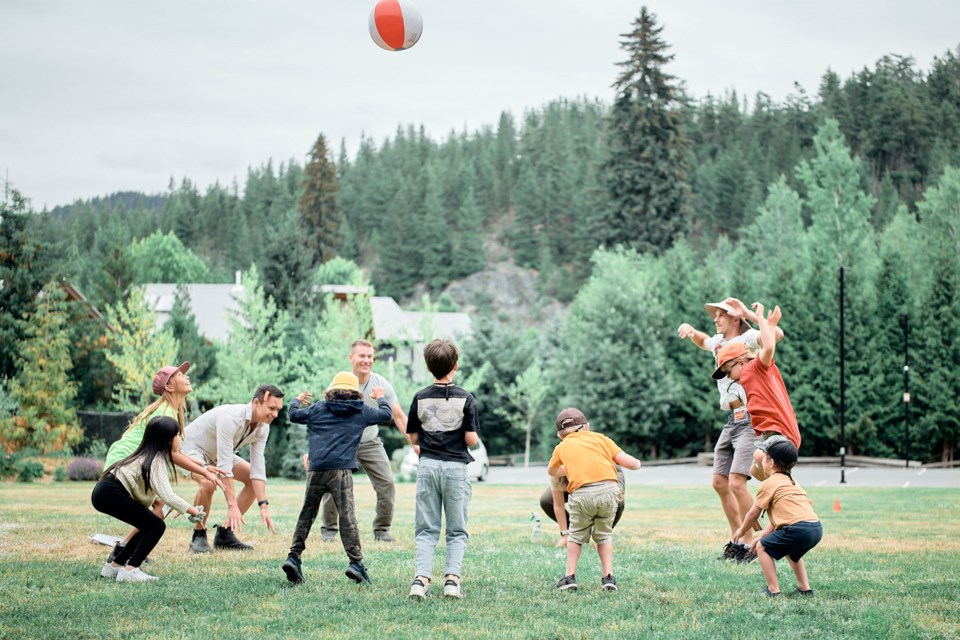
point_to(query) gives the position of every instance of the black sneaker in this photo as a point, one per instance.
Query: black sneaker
(568, 583)
(730, 551)
(293, 568)
(806, 594)
(117, 548)
(608, 583)
(199, 544)
(766, 593)
(225, 539)
(358, 573)
(745, 556)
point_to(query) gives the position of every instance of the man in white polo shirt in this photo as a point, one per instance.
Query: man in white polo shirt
(214, 439)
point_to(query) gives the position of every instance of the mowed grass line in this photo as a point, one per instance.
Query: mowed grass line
(888, 567)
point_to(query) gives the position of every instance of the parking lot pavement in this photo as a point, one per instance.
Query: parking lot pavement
(808, 476)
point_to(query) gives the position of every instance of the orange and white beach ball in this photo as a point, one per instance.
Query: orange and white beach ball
(395, 24)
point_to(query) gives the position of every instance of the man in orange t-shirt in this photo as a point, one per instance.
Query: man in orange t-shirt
(770, 409)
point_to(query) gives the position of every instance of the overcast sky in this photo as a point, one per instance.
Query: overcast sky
(98, 96)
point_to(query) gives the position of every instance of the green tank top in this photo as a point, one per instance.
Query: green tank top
(133, 436)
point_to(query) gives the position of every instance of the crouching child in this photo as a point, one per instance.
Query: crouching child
(794, 528)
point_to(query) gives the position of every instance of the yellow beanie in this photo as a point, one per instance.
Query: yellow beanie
(345, 380)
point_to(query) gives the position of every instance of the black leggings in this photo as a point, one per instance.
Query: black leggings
(111, 497)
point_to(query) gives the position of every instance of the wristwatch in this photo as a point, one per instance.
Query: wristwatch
(262, 503)
(564, 532)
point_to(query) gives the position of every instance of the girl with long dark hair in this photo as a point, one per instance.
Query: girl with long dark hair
(130, 486)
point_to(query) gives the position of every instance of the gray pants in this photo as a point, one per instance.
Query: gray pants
(375, 463)
(442, 491)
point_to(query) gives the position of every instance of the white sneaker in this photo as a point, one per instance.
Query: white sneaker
(133, 575)
(109, 571)
(418, 591)
(451, 589)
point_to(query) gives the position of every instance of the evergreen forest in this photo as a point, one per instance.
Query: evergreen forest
(630, 210)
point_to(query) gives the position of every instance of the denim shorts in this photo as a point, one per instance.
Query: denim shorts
(793, 540)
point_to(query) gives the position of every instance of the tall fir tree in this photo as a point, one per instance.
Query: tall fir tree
(25, 265)
(43, 392)
(318, 203)
(646, 172)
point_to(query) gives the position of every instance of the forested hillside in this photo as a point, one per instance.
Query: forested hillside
(634, 209)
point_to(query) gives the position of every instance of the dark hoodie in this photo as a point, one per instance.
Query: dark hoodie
(334, 429)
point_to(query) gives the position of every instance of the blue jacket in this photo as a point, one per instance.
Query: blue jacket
(334, 429)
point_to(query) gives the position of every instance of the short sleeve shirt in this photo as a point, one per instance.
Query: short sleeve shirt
(587, 457)
(441, 415)
(770, 406)
(376, 380)
(785, 502)
(729, 389)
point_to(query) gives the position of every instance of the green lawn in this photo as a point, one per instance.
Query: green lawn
(888, 567)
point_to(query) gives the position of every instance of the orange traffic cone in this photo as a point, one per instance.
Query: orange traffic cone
(836, 505)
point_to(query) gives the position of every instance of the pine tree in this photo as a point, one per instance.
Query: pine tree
(138, 350)
(318, 204)
(253, 354)
(608, 337)
(24, 267)
(193, 347)
(42, 390)
(646, 173)
(468, 252)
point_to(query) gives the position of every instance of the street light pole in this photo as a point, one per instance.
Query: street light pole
(906, 394)
(843, 432)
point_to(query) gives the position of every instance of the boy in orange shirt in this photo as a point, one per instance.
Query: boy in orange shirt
(771, 411)
(588, 461)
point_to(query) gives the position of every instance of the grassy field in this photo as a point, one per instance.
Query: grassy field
(888, 567)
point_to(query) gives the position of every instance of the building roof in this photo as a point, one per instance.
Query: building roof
(393, 324)
(213, 304)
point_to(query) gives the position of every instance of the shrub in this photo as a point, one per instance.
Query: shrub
(97, 449)
(60, 474)
(30, 471)
(84, 469)
(9, 464)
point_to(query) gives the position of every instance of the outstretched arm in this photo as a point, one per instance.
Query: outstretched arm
(698, 338)
(768, 327)
(624, 459)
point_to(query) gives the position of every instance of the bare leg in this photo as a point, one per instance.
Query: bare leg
(246, 497)
(731, 508)
(800, 570)
(573, 557)
(740, 493)
(769, 567)
(605, 551)
(204, 497)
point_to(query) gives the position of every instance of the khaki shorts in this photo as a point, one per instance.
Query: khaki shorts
(203, 459)
(735, 446)
(592, 510)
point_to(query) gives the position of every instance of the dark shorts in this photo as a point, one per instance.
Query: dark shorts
(793, 540)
